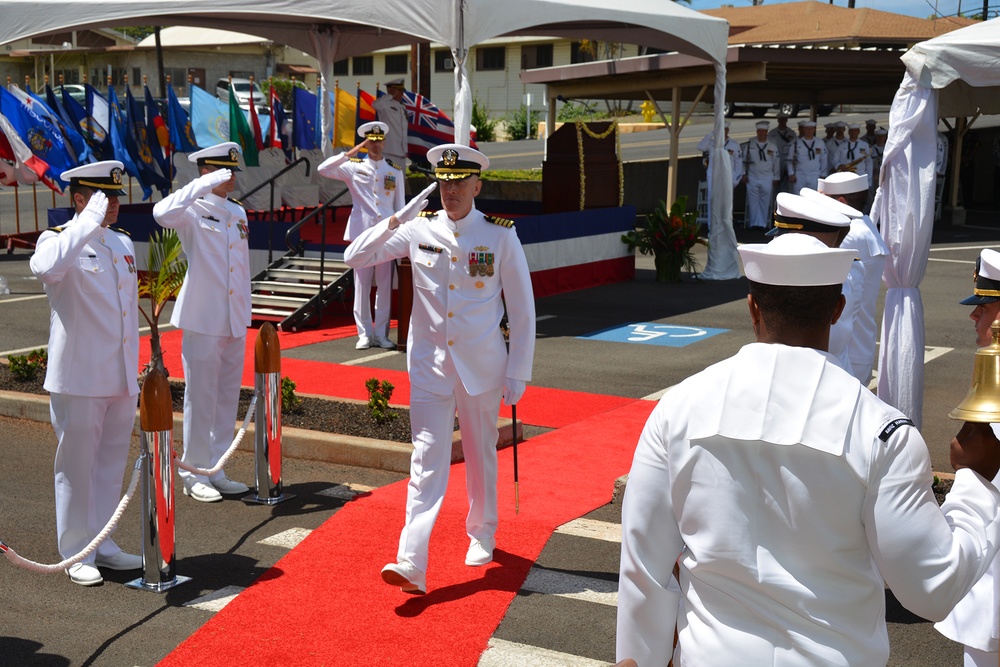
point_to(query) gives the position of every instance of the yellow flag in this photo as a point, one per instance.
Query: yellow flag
(344, 118)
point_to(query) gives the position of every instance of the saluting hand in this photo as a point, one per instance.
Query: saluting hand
(96, 208)
(412, 208)
(214, 179)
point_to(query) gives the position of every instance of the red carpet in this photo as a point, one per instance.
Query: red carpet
(540, 406)
(329, 606)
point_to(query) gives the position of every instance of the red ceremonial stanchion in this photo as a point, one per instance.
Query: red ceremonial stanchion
(156, 420)
(267, 420)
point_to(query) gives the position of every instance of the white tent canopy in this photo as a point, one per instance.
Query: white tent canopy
(955, 74)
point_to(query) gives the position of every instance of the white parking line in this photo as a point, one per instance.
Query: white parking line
(595, 530)
(215, 601)
(370, 357)
(502, 653)
(287, 539)
(573, 586)
(33, 297)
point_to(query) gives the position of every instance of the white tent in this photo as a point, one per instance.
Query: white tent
(956, 74)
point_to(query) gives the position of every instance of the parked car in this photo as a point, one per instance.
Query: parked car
(244, 89)
(759, 109)
(75, 90)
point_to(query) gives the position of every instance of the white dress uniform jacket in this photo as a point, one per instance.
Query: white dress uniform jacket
(864, 238)
(393, 114)
(89, 275)
(833, 146)
(848, 152)
(376, 186)
(842, 331)
(763, 168)
(788, 502)
(807, 161)
(783, 139)
(456, 315)
(735, 154)
(215, 297)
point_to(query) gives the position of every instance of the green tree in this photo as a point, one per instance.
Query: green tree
(517, 123)
(165, 270)
(486, 127)
(283, 88)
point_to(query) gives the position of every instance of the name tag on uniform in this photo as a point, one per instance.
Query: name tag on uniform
(208, 217)
(430, 248)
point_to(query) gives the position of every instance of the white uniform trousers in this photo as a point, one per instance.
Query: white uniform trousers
(805, 178)
(759, 197)
(976, 658)
(383, 298)
(432, 418)
(213, 370)
(94, 435)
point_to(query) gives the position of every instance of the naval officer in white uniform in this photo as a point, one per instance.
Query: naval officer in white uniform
(462, 260)
(392, 111)
(213, 310)
(377, 191)
(790, 498)
(89, 274)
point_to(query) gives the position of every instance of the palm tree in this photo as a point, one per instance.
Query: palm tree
(165, 270)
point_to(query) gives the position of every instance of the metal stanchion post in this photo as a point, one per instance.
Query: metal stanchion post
(156, 420)
(267, 421)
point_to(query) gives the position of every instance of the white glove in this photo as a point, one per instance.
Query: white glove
(96, 208)
(513, 390)
(214, 179)
(415, 205)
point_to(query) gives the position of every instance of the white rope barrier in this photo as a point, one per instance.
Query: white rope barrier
(14, 558)
(20, 561)
(229, 452)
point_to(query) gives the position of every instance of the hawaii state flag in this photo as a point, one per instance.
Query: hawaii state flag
(428, 126)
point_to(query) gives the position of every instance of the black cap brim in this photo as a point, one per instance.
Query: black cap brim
(976, 300)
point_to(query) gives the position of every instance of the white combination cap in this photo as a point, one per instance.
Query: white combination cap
(224, 155)
(455, 162)
(830, 202)
(796, 260)
(396, 82)
(374, 130)
(794, 213)
(106, 176)
(843, 183)
(987, 279)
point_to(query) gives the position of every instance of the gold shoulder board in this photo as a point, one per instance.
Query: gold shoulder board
(503, 222)
(355, 159)
(427, 214)
(121, 231)
(236, 201)
(394, 165)
(56, 229)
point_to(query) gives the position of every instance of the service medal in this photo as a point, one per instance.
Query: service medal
(473, 264)
(489, 264)
(390, 182)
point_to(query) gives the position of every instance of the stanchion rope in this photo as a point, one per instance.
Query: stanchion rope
(20, 561)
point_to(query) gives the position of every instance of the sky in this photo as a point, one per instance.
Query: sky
(918, 8)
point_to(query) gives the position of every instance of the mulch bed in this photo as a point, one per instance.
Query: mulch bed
(314, 414)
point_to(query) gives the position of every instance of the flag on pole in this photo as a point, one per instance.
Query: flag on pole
(240, 132)
(209, 118)
(366, 109)
(157, 133)
(98, 113)
(119, 141)
(41, 138)
(57, 115)
(258, 136)
(427, 126)
(181, 133)
(303, 127)
(279, 118)
(144, 147)
(18, 165)
(345, 109)
(92, 132)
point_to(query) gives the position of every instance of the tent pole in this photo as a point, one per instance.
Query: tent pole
(961, 127)
(675, 131)
(550, 121)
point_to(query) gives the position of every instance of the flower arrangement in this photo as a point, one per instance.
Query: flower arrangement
(668, 235)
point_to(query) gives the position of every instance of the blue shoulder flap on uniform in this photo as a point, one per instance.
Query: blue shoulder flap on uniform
(503, 222)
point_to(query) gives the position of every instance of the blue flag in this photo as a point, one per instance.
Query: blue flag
(40, 136)
(157, 134)
(181, 133)
(209, 118)
(140, 148)
(119, 141)
(91, 131)
(304, 120)
(99, 118)
(74, 141)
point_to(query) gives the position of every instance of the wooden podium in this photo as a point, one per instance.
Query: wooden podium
(597, 182)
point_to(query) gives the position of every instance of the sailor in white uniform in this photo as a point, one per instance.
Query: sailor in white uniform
(462, 260)
(854, 154)
(783, 137)
(763, 173)
(377, 191)
(213, 310)
(732, 147)
(89, 274)
(392, 112)
(807, 161)
(790, 497)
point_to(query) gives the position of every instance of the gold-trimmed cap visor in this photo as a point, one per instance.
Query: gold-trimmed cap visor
(987, 290)
(107, 176)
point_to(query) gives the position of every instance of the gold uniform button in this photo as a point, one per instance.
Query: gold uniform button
(480, 284)
(228, 225)
(124, 313)
(451, 342)
(451, 314)
(454, 259)
(230, 292)
(116, 260)
(451, 287)
(457, 235)
(230, 269)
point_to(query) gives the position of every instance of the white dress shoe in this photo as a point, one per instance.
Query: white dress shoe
(405, 575)
(228, 486)
(84, 574)
(480, 552)
(363, 343)
(202, 492)
(120, 561)
(384, 343)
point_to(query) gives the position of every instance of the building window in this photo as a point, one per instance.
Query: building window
(582, 52)
(537, 55)
(397, 63)
(491, 58)
(340, 67)
(443, 61)
(363, 65)
(67, 75)
(178, 78)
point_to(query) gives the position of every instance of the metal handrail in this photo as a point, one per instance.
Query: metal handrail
(270, 182)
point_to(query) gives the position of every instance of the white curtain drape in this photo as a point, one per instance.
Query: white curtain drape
(904, 209)
(723, 263)
(325, 44)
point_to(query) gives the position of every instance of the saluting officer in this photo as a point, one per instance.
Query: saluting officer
(377, 191)
(392, 112)
(807, 161)
(213, 310)
(89, 274)
(462, 261)
(763, 173)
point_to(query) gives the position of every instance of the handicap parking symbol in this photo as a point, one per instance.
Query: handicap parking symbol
(649, 333)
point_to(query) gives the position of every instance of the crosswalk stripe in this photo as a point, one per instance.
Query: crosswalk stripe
(215, 601)
(502, 653)
(590, 528)
(288, 539)
(573, 586)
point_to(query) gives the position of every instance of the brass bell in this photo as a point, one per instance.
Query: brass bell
(982, 403)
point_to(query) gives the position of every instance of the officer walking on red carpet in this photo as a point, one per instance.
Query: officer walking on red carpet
(89, 274)
(377, 191)
(213, 310)
(462, 260)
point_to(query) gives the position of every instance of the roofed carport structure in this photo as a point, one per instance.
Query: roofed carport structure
(808, 53)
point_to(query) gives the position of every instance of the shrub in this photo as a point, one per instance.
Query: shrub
(486, 127)
(517, 123)
(27, 367)
(289, 401)
(378, 400)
